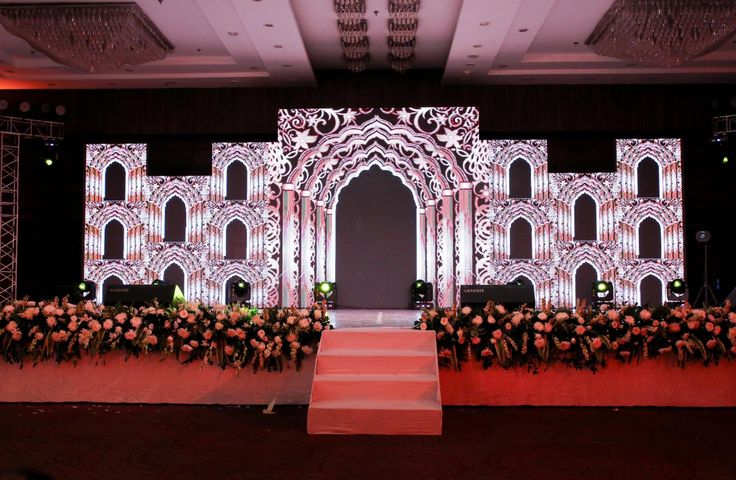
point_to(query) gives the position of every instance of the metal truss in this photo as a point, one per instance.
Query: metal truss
(724, 125)
(12, 130)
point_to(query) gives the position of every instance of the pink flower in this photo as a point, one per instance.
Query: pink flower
(304, 323)
(229, 350)
(636, 330)
(129, 335)
(711, 344)
(183, 314)
(539, 343)
(8, 309)
(486, 352)
(538, 326)
(183, 333)
(491, 320)
(547, 327)
(542, 316)
(317, 315)
(234, 317)
(580, 329)
(624, 354)
(508, 326)
(151, 340)
(674, 327)
(604, 307)
(422, 326)
(207, 335)
(73, 326)
(477, 320)
(136, 322)
(290, 337)
(709, 326)
(465, 310)
(564, 346)
(443, 321)
(612, 314)
(614, 345)
(190, 318)
(497, 334)
(48, 310)
(475, 340)
(38, 336)
(693, 324)
(318, 326)
(170, 340)
(561, 316)
(58, 312)
(95, 325)
(240, 333)
(290, 320)
(501, 309)
(17, 336)
(194, 343)
(118, 329)
(615, 324)
(717, 330)
(596, 343)
(732, 317)
(186, 348)
(51, 321)
(307, 350)
(121, 317)
(516, 319)
(230, 332)
(219, 326)
(733, 349)
(645, 314)
(629, 320)
(107, 324)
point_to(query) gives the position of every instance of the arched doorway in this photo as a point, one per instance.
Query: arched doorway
(375, 229)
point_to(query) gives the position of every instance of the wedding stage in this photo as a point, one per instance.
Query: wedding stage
(148, 379)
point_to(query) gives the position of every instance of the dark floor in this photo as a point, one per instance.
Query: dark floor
(196, 442)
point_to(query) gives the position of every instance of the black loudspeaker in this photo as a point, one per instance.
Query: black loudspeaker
(510, 296)
(238, 291)
(138, 295)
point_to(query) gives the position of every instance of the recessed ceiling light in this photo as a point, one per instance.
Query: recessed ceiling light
(268, 25)
(199, 49)
(233, 34)
(278, 46)
(503, 66)
(522, 30)
(287, 65)
(473, 56)
(576, 43)
(477, 45)
(484, 24)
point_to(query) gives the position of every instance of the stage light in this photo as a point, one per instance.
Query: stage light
(238, 291)
(326, 291)
(48, 161)
(86, 290)
(421, 294)
(602, 291)
(724, 160)
(158, 282)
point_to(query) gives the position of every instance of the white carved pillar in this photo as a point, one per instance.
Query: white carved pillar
(431, 242)
(421, 243)
(465, 234)
(307, 250)
(445, 295)
(330, 244)
(289, 237)
(319, 221)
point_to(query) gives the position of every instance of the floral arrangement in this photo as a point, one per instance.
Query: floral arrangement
(584, 337)
(222, 335)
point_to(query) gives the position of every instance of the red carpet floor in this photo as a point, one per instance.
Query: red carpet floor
(190, 442)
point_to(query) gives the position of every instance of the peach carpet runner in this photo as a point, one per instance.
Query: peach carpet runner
(378, 381)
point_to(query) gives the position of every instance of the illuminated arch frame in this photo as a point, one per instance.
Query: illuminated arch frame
(125, 181)
(660, 176)
(103, 237)
(573, 209)
(165, 206)
(637, 242)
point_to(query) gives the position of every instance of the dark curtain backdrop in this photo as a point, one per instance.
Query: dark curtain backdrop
(376, 242)
(51, 228)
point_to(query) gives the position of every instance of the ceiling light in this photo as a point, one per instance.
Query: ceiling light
(24, 107)
(233, 34)
(484, 24)
(278, 46)
(663, 33)
(91, 37)
(287, 65)
(522, 30)
(477, 45)
(503, 66)
(473, 56)
(60, 110)
(268, 25)
(3, 104)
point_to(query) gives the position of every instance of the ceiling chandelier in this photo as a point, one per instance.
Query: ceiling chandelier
(664, 33)
(95, 37)
(402, 30)
(353, 28)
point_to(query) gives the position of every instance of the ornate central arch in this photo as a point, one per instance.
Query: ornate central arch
(423, 147)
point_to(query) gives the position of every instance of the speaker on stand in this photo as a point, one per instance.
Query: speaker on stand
(705, 293)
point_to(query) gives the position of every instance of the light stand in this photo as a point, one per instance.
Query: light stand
(705, 291)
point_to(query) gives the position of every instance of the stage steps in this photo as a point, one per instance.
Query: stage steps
(377, 381)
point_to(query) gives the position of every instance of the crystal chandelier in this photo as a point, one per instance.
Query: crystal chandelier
(353, 29)
(93, 37)
(664, 33)
(402, 30)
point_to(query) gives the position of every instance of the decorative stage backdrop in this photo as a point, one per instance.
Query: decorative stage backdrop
(487, 212)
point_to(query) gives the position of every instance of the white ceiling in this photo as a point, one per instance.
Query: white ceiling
(230, 43)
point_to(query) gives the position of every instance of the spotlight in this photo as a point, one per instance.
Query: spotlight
(724, 160)
(677, 291)
(421, 294)
(238, 291)
(326, 291)
(3, 104)
(602, 292)
(48, 161)
(518, 283)
(86, 290)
